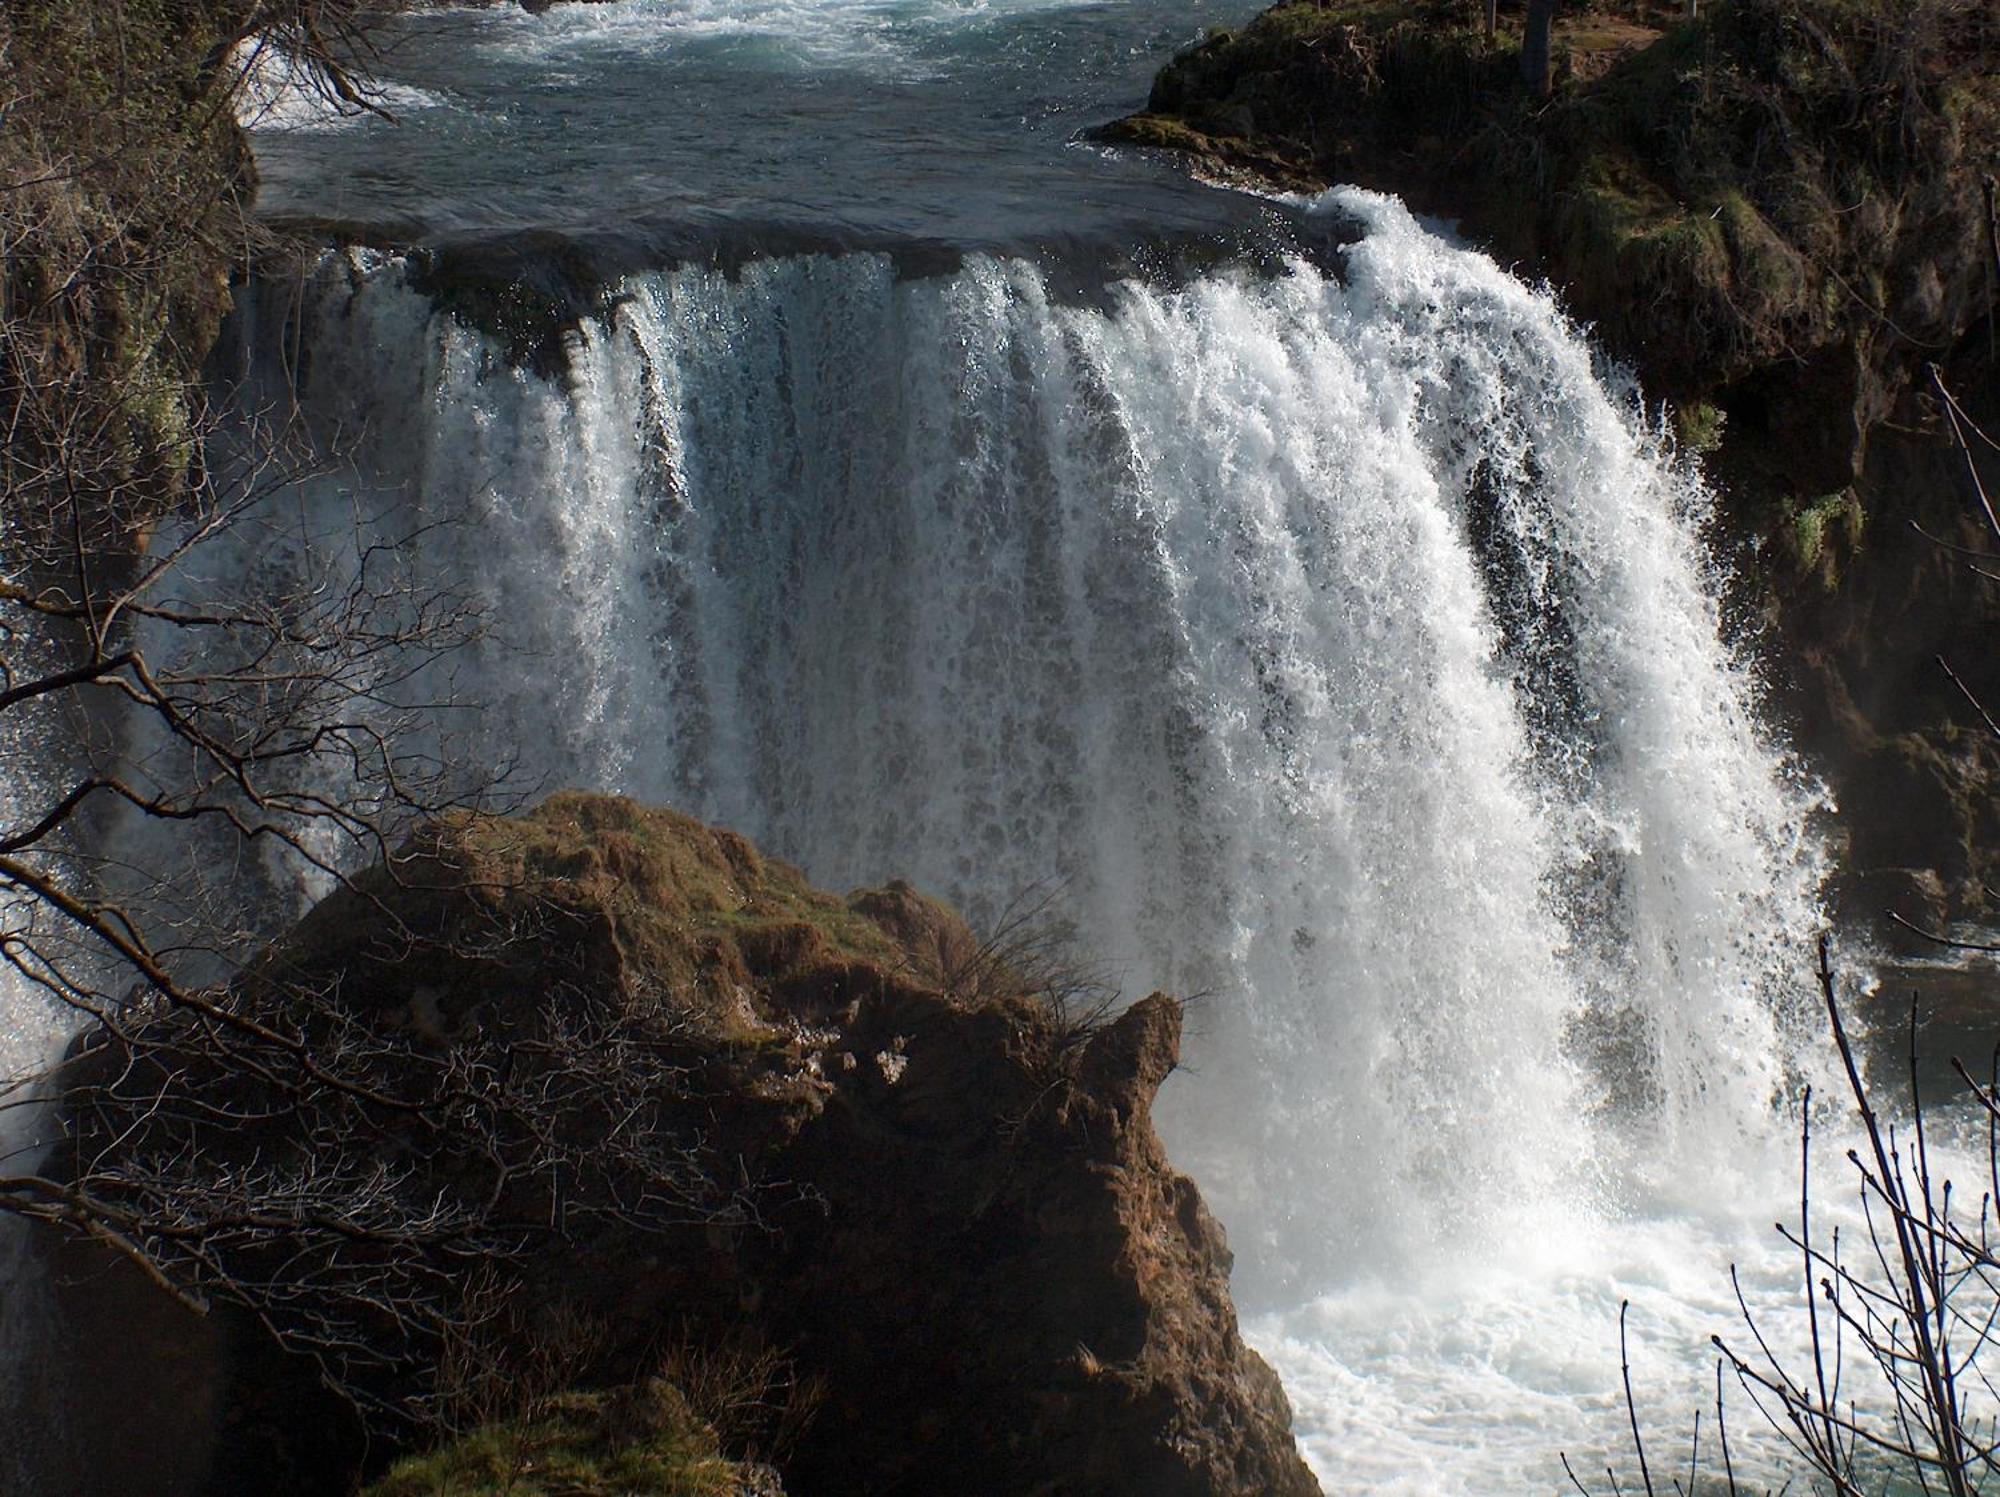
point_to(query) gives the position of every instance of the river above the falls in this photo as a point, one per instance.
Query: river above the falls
(681, 125)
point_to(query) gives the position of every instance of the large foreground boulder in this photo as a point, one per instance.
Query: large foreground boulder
(696, 1105)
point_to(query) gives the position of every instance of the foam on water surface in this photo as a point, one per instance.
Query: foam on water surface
(277, 94)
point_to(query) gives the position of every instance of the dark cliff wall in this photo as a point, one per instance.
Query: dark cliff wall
(126, 183)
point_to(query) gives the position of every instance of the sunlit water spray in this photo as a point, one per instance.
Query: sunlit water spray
(1339, 644)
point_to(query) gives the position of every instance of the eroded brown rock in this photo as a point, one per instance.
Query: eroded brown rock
(960, 1225)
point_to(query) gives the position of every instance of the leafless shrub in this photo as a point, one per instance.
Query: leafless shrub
(241, 1133)
(750, 1393)
(506, 1356)
(1031, 951)
(342, 1173)
(1894, 1390)
(329, 47)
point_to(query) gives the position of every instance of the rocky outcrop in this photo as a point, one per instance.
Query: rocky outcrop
(1778, 208)
(697, 1104)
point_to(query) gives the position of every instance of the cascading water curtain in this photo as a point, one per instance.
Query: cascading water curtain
(1339, 646)
(36, 766)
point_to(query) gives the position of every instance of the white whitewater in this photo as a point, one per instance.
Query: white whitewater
(277, 93)
(1343, 648)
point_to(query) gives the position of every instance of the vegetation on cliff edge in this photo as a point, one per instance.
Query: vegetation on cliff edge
(1776, 210)
(642, 1441)
(125, 184)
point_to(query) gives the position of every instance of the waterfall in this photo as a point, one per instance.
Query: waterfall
(1334, 642)
(32, 1030)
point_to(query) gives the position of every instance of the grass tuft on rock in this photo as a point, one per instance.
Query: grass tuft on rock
(631, 1442)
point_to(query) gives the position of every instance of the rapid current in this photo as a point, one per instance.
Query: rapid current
(926, 493)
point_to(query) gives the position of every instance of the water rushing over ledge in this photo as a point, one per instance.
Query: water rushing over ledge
(1339, 645)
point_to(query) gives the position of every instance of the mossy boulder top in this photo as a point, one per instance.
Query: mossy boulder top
(599, 901)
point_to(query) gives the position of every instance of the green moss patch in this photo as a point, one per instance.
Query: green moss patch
(614, 903)
(1825, 532)
(671, 885)
(635, 1442)
(1700, 426)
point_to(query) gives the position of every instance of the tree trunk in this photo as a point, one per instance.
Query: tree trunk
(1535, 46)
